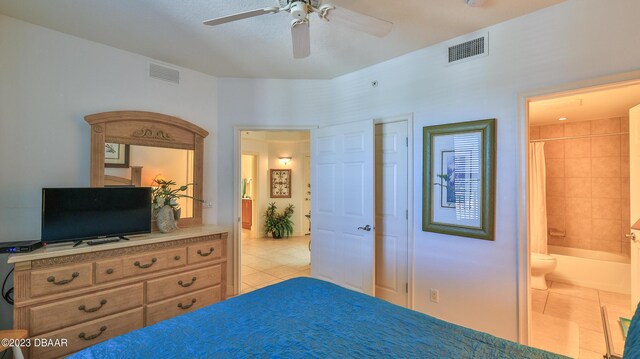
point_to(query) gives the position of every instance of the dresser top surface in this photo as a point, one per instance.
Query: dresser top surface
(66, 248)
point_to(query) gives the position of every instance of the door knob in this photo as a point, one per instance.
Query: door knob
(631, 236)
(365, 228)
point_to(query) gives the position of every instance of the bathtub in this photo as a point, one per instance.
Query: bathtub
(593, 269)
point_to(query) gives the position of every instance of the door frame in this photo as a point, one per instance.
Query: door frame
(522, 165)
(408, 117)
(237, 201)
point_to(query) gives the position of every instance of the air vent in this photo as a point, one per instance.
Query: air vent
(164, 73)
(467, 50)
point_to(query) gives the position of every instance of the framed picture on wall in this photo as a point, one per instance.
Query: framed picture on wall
(116, 155)
(280, 183)
(458, 179)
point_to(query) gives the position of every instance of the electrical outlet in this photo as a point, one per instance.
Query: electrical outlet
(207, 204)
(435, 295)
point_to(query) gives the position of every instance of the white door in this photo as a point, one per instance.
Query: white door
(342, 205)
(634, 163)
(392, 212)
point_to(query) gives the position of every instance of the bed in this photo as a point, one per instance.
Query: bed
(632, 343)
(305, 317)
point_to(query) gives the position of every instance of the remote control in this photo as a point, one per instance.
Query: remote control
(102, 241)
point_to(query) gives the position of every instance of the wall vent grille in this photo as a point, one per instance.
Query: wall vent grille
(164, 73)
(467, 50)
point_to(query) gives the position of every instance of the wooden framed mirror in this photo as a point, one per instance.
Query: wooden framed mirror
(139, 146)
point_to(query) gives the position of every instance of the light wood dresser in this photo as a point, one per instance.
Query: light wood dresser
(89, 294)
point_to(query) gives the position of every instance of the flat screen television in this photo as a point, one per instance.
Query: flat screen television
(76, 214)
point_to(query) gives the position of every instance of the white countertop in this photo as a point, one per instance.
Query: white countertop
(66, 248)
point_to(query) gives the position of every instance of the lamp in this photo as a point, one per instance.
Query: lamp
(636, 225)
(285, 160)
(153, 181)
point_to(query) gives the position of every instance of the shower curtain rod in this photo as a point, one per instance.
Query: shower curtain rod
(576, 137)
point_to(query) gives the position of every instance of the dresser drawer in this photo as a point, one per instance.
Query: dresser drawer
(183, 304)
(81, 336)
(48, 317)
(159, 289)
(62, 279)
(176, 257)
(152, 262)
(109, 270)
(205, 251)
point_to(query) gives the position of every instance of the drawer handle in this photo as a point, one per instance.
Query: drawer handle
(176, 258)
(52, 279)
(110, 271)
(205, 254)
(94, 309)
(187, 306)
(91, 337)
(184, 285)
(143, 266)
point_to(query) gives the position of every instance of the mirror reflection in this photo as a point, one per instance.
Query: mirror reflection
(140, 166)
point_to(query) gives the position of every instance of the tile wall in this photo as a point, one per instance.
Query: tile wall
(588, 183)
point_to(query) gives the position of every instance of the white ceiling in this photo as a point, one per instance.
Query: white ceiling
(614, 102)
(172, 31)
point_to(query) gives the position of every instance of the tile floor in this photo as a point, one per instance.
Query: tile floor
(267, 261)
(563, 308)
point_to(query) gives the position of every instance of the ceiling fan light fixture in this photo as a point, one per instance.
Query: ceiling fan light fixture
(300, 38)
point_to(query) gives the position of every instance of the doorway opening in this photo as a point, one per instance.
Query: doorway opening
(332, 181)
(274, 172)
(579, 170)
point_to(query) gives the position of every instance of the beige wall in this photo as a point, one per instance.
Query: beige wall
(248, 164)
(259, 150)
(588, 183)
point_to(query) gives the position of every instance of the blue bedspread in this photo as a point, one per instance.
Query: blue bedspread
(632, 343)
(302, 318)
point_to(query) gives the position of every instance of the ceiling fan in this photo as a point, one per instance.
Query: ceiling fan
(300, 11)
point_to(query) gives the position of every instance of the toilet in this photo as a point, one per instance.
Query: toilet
(541, 265)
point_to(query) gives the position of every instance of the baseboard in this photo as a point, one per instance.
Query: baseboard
(609, 287)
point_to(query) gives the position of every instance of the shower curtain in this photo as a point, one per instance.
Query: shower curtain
(537, 198)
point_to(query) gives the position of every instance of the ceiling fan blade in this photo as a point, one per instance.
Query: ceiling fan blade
(240, 16)
(358, 21)
(301, 40)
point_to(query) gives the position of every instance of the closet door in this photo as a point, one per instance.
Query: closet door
(392, 212)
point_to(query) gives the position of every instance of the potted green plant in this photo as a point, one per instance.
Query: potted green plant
(278, 224)
(165, 203)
